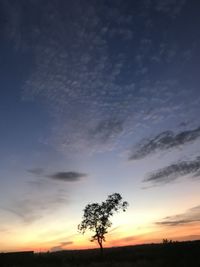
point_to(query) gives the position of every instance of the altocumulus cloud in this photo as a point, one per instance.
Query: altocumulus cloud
(173, 171)
(85, 78)
(107, 129)
(164, 141)
(67, 176)
(190, 216)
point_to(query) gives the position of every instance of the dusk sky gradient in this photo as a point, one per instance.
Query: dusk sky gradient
(98, 97)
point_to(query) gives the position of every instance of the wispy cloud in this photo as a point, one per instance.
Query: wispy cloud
(67, 176)
(174, 171)
(190, 216)
(3, 230)
(32, 208)
(164, 141)
(27, 218)
(43, 195)
(61, 246)
(36, 171)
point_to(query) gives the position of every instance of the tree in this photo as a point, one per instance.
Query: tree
(96, 217)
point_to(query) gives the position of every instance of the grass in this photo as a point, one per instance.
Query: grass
(178, 254)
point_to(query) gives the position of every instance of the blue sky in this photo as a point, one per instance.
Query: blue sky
(98, 97)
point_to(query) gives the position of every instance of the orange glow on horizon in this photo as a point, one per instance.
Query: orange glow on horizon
(175, 233)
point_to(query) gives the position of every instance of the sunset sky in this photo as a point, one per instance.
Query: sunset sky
(98, 97)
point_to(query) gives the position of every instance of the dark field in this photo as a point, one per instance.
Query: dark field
(153, 255)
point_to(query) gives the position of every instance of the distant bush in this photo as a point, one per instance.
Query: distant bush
(166, 241)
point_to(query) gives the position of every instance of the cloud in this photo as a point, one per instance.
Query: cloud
(70, 176)
(37, 203)
(67, 176)
(43, 196)
(3, 230)
(173, 171)
(85, 79)
(168, 7)
(106, 129)
(197, 174)
(61, 246)
(18, 213)
(164, 141)
(11, 13)
(36, 171)
(30, 210)
(190, 216)
(80, 79)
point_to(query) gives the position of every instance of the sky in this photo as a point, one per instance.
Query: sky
(98, 97)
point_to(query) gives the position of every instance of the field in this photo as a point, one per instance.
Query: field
(178, 254)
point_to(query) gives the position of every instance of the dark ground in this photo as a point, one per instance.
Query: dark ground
(153, 255)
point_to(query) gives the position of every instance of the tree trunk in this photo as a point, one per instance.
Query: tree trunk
(101, 247)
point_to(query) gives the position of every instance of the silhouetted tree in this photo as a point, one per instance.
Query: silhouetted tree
(96, 217)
